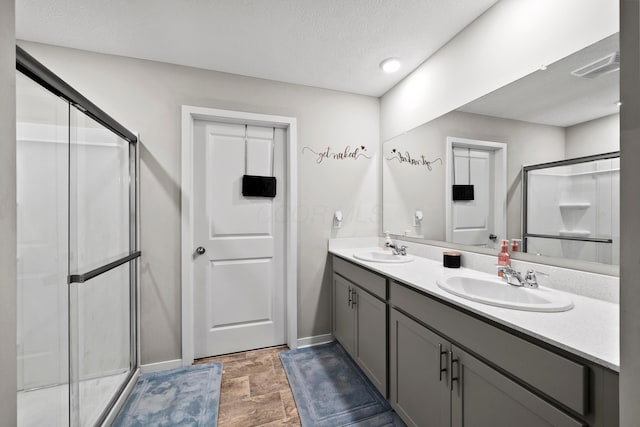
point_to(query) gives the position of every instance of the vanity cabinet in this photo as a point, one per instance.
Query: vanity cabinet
(419, 377)
(433, 382)
(344, 314)
(360, 319)
(481, 396)
(447, 366)
(493, 376)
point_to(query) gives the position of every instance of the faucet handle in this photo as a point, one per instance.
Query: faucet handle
(530, 278)
(534, 273)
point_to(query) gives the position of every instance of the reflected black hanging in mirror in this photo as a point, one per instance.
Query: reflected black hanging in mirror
(461, 191)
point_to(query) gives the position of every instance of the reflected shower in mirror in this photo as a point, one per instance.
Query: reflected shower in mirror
(572, 208)
(565, 110)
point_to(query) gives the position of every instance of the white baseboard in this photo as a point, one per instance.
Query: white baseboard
(161, 366)
(314, 340)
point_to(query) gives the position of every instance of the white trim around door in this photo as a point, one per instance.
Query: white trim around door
(189, 115)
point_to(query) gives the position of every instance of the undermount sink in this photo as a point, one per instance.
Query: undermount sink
(499, 293)
(380, 256)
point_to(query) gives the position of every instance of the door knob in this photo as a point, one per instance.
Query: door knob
(493, 237)
(200, 250)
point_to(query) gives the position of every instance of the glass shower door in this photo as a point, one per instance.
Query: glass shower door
(77, 253)
(42, 228)
(101, 291)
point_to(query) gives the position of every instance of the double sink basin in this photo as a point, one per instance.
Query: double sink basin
(481, 289)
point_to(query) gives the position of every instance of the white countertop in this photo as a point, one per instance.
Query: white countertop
(589, 330)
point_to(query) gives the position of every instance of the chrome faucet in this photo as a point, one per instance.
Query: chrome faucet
(402, 250)
(514, 278)
(511, 276)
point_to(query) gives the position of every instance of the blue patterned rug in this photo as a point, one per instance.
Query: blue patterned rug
(330, 390)
(186, 396)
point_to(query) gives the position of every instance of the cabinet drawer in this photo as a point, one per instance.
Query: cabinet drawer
(481, 390)
(559, 378)
(367, 280)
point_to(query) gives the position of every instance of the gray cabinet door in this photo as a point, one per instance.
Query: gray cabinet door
(371, 338)
(344, 317)
(482, 397)
(419, 391)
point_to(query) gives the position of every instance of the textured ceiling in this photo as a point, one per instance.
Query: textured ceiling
(555, 96)
(334, 44)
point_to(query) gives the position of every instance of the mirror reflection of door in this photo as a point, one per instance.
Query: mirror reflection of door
(477, 222)
(473, 219)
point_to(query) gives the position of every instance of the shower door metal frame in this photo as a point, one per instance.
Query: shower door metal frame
(525, 196)
(36, 71)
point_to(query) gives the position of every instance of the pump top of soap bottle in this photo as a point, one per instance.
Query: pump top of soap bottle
(387, 241)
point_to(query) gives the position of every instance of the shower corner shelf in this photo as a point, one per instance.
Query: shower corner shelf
(574, 233)
(577, 205)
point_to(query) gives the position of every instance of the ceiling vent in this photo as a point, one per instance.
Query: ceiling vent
(602, 66)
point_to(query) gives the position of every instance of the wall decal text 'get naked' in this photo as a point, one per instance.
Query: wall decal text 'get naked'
(347, 154)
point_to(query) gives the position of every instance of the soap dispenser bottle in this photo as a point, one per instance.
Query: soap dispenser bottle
(387, 241)
(503, 257)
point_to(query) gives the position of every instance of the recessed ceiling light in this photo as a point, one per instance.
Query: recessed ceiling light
(390, 65)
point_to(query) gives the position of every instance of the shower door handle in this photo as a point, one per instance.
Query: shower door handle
(200, 250)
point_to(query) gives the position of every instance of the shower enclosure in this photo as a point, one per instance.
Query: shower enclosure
(571, 208)
(77, 253)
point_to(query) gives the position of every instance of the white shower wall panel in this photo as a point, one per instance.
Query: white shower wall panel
(42, 260)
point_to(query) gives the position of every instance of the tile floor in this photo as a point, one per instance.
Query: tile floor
(255, 390)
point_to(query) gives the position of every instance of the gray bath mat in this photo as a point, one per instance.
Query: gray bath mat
(186, 396)
(330, 390)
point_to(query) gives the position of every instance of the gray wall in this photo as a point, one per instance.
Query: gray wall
(593, 137)
(629, 214)
(7, 214)
(146, 97)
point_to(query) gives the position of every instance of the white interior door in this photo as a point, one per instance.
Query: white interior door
(473, 220)
(239, 279)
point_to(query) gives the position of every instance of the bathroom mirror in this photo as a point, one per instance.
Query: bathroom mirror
(459, 178)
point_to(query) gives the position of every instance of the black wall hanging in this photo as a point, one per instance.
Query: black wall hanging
(255, 185)
(258, 186)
